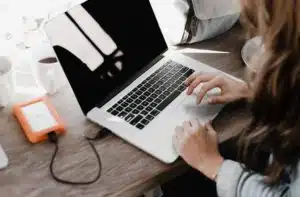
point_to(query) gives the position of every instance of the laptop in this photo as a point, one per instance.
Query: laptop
(123, 74)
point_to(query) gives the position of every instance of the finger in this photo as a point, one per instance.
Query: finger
(197, 81)
(179, 133)
(207, 87)
(218, 100)
(186, 125)
(211, 131)
(176, 144)
(195, 125)
(191, 79)
(178, 138)
(208, 126)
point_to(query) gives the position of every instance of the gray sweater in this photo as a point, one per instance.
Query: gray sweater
(233, 181)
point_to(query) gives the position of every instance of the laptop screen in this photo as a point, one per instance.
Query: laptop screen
(101, 44)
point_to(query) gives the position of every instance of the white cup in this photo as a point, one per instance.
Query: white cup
(48, 69)
(5, 81)
(51, 74)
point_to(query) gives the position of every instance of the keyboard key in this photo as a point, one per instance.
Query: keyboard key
(147, 85)
(177, 76)
(183, 70)
(158, 92)
(125, 97)
(144, 113)
(162, 97)
(157, 100)
(129, 100)
(149, 99)
(164, 78)
(153, 105)
(168, 100)
(166, 93)
(155, 86)
(129, 117)
(139, 92)
(115, 106)
(189, 72)
(139, 86)
(130, 93)
(140, 107)
(122, 114)
(149, 117)
(154, 112)
(128, 109)
(120, 108)
(145, 103)
(143, 89)
(134, 96)
(124, 104)
(171, 89)
(145, 121)
(136, 120)
(140, 126)
(159, 83)
(162, 88)
(167, 84)
(151, 90)
(135, 89)
(147, 93)
(135, 111)
(149, 109)
(182, 79)
(115, 112)
(110, 110)
(169, 75)
(132, 105)
(142, 97)
(121, 101)
(153, 96)
(181, 88)
(179, 82)
(137, 101)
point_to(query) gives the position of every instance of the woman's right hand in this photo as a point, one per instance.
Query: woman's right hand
(231, 89)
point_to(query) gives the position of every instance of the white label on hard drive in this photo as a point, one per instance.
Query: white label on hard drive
(39, 117)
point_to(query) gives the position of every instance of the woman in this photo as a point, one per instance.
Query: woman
(275, 104)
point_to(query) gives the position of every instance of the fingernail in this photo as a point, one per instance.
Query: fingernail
(209, 100)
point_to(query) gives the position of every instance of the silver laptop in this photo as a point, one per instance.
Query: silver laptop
(123, 75)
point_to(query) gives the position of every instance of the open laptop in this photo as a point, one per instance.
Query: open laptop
(123, 75)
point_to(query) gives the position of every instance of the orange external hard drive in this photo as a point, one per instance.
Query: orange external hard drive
(38, 118)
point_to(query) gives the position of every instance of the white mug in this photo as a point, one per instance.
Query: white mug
(5, 81)
(48, 69)
(50, 74)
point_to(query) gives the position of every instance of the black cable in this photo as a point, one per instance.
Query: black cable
(54, 139)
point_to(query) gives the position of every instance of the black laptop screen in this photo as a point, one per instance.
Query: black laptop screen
(101, 44)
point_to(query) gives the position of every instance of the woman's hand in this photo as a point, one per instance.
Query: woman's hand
(231, 89)
(198, 146)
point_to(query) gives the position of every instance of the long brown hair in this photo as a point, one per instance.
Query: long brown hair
(276, 101)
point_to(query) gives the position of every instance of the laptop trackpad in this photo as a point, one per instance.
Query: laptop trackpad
(203, 112)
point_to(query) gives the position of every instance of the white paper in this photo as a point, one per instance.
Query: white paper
(39, 117)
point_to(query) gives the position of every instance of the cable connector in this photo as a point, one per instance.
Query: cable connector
(53, 137)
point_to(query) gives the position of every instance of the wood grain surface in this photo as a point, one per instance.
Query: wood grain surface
(127, 171)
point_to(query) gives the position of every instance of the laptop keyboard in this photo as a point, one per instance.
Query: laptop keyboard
(153, 95)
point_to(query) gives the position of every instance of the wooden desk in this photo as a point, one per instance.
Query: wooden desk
(127, 171)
